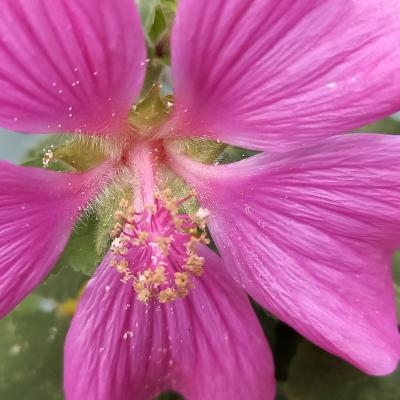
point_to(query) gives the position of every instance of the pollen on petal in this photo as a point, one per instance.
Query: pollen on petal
(155, 249)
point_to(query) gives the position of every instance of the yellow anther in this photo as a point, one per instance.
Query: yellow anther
(200, 218)
(144, 295)
(167, 192)
(142, 237)
(118, 245)
(118, 215)
(159, 276)
(191, 244)
(181, 279)
(130, 215)
(117, 229)
(124, 203)
(163, 244)
(194, 259)
(167, 295)
(165, 273)
(171, 203)
(194, 264)
(172, 207)
(122, 265)
(48, 156)
(182, 291)
(130, 228)
(143, 292)
(145, 276)
(178, 222)
(127, 277)
(138, 285)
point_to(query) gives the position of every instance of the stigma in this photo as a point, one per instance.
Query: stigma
(156, 249)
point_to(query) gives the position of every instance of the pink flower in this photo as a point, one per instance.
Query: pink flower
(307, 227)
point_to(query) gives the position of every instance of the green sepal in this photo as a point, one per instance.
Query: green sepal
(387, 125)
(68, 153)
(151, 111)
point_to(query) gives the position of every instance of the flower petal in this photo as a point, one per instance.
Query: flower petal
(310, 235)
(276, 73)
(37, 211)
(69, 66)
(207, 345)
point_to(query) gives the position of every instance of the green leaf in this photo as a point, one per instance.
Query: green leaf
(268, 323)
(317, 375)
(170, 4)
(60, 287)
(80, 253)
(147, 9)
(159, 26)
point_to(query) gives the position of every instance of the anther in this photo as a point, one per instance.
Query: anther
(156, 249)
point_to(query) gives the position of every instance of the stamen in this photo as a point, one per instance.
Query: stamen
(156, 250)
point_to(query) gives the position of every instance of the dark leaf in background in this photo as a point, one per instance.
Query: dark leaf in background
(30, 350)
(396, 274)
(32, 340)
(81, 253)
(316, 375)
(170, 396)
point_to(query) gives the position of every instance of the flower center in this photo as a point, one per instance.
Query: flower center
(155, 249)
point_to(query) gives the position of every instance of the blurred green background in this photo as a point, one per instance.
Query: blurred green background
(14, 146)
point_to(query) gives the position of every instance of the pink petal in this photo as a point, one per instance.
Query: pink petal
(208, 345)
(69, 66)
(37, 211)
(310, 235)
(276, 73)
